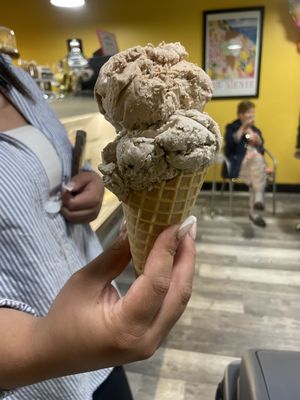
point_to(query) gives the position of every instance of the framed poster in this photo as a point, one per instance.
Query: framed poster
(108, 43)
(232, 51)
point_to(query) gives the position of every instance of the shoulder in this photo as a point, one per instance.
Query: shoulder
(233, 126)
(29, 82)
(21, 74)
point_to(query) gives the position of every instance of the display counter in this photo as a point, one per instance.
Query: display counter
(82, 113)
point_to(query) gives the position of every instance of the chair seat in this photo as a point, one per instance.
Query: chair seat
(225, 167)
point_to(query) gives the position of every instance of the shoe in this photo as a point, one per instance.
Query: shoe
(258, 220)
(259, 206)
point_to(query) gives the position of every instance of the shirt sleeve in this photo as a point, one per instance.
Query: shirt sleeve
(230, 143)
(261, 146)
(5, 393)
(17, 305)
(235, 137)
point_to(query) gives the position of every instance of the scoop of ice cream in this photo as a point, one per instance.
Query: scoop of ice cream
(137, 159)
(145, 85)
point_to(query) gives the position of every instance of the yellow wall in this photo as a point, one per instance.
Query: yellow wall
(41, 30)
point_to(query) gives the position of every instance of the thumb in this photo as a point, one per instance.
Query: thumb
(152, 286)
(161, 258)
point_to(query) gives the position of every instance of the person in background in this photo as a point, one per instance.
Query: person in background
(244, 150)
(58, 318)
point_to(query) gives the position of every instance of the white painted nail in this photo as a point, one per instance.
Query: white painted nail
(69, 187)
(188, 226)
(193, 231)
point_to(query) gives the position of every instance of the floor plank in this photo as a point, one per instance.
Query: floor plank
(245, 295)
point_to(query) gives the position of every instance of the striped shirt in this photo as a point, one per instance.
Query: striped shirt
(39, 251)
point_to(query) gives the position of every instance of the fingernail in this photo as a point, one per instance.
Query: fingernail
(69, 186)
(123, 235)
(188, 226)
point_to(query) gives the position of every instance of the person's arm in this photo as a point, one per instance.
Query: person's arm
(89, 327)
(260, 140)
(242, 131)
(230, 143)
(19, 360)
(255, 138)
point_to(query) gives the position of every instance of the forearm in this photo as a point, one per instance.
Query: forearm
(259, 141)
(21, 360)
(31, 352)
(15, 346)
(239, 134)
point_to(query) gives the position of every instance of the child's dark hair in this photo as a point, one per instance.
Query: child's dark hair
(244, 106)
(8, 80)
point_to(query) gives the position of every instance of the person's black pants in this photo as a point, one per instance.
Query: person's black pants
(115, 387)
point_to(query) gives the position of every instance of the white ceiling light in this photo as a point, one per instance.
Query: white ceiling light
(67, 3)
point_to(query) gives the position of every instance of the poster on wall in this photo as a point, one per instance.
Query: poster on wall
(108, 42)
(232, 51)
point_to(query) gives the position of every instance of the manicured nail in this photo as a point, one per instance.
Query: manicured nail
(188, 226)
(69, 187)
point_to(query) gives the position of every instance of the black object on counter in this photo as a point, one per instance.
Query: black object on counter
(78, 151)
(94, 63)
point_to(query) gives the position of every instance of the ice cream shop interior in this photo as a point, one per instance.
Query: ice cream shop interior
(150, 199)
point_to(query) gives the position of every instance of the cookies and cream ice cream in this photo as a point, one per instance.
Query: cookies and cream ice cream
(165, 141)
(137, 159)
(145, 85)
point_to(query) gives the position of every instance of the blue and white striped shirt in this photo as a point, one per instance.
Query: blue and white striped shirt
(39, 252)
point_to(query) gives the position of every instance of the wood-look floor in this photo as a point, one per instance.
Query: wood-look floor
(246, 295)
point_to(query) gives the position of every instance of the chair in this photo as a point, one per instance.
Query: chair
(223, 160)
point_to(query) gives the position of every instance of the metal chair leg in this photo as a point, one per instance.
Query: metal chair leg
(274, 196)
(231, 187)
(213, 191)
(222, 188)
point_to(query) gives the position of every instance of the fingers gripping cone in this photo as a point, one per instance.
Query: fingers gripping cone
(149, 212)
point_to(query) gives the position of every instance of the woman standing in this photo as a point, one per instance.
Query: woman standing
(56, 319)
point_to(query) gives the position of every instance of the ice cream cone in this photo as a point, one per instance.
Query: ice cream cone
(149, 212)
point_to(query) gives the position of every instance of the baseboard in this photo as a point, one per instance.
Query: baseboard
(240, 187)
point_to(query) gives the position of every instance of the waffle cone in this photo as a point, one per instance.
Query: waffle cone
(149, 212)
